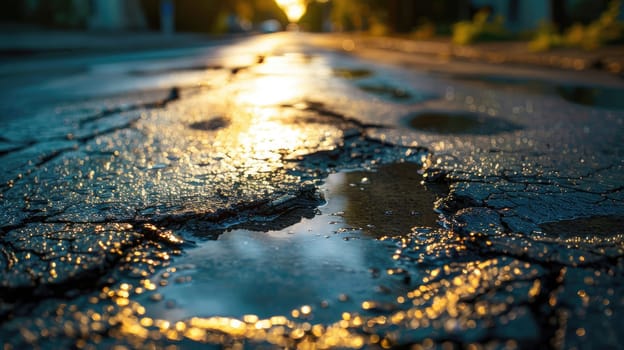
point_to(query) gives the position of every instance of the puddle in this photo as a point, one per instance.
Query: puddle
(601, 226)
(460, 123)
(355, 73)
(611, 98)
(387, 202)
(325, 262)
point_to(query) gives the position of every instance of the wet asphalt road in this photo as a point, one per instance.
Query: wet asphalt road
(294, 190)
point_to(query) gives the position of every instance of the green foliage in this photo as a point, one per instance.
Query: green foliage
(602, 31)
(313, 19)
(480, 29)
(546, 37)
(361, 15)
(378, 27)
(397, 16)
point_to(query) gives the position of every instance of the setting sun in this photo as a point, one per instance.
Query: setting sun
(294, 9)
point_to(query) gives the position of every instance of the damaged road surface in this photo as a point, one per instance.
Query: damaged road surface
(277, 192)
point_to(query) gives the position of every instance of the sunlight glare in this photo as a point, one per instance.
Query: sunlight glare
(294, 9)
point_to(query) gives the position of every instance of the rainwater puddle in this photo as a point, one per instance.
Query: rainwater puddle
(331, 262)
(611, 98)
(460, 123)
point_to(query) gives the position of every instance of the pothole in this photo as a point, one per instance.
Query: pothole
(460, 123)
(387, 202)
(210, 124)
(600, 226)
(352, 73)
(611, 98)
(330, 262)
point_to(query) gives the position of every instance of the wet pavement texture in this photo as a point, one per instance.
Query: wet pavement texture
(274, 192)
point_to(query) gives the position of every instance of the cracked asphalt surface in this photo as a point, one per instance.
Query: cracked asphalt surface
(276, 191)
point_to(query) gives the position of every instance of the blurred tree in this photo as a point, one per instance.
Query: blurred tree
(315, 16)
(190, 15)
(603, 30)
(399, 16)
(441, 12)
(558, 12)
(54, 13)
(267, 9)
(350, 15)
(585, 11)
(211, 16)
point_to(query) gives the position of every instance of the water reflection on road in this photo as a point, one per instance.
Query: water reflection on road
(330, 262)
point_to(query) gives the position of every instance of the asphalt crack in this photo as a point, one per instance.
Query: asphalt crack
(320, 109)
(172, 96)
